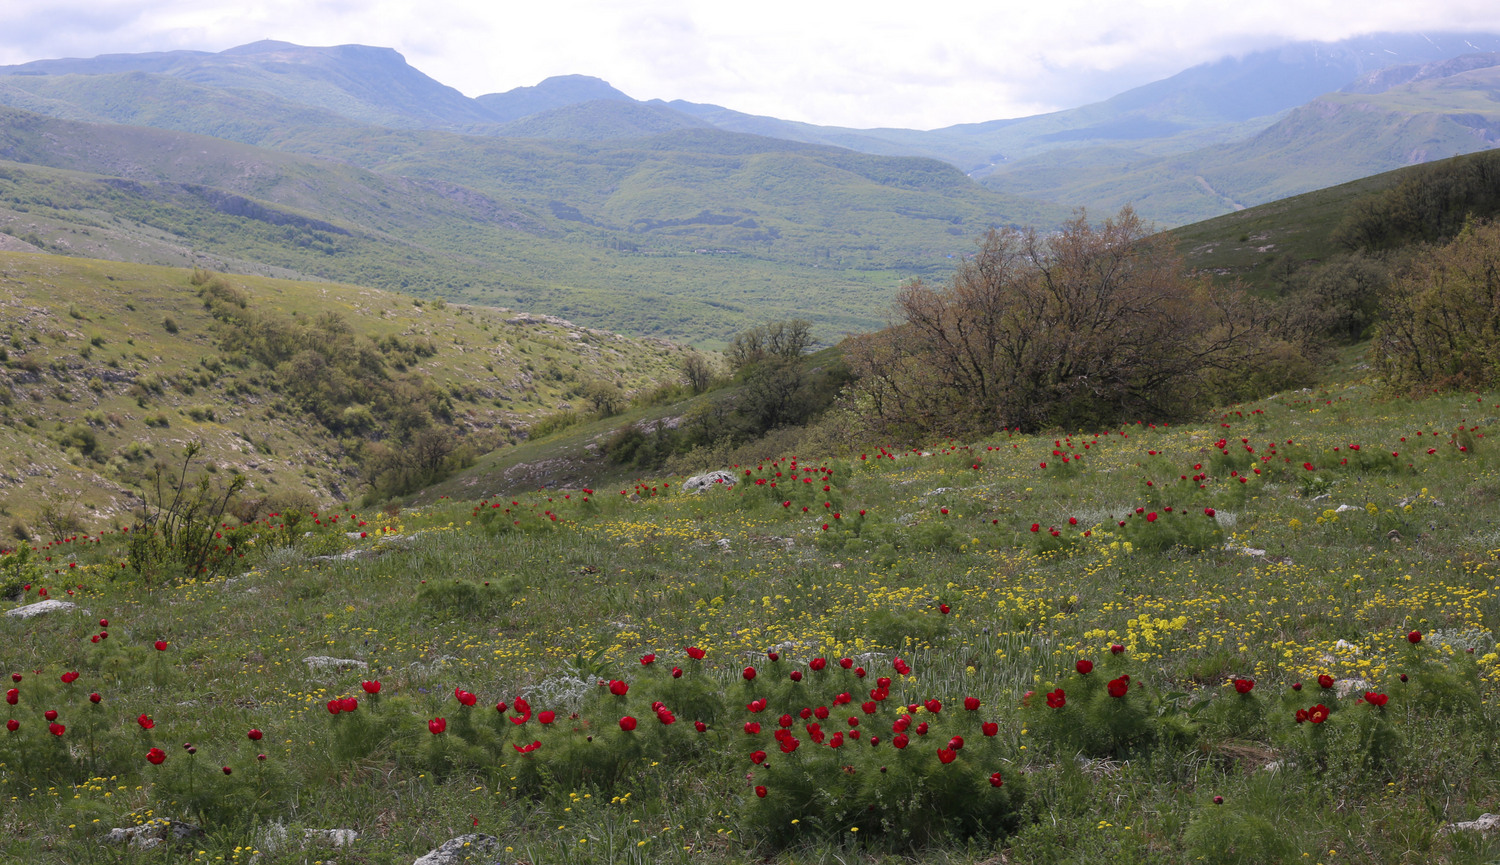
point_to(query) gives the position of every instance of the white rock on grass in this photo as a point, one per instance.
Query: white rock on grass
(460, 850)
(39, 608)
(323, 662)
(331, 837)
(699, 483)
(1486, 823)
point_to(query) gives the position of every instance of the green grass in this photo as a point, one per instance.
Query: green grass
(505, 602)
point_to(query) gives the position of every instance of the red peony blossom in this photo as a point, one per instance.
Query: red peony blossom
(94, 697)
(648, 659)
(618, 688)
(254, 735)
(796, 675)
(752, 727)
(996, 780)
(789, 744)
(749, 674)
(846, 663)
(971, 703)
(371, 688)
(956, 743)
(946, 755)
(989, 728)
(71, 677)
(1208, 512)
(437, 725)
(760, 791)
(335, 707)
(1318, 714)
(934, 706)
(1414, 638)
(156, 756)
(1244, 686)
(527, 749)
(695, 653)
(700, 726)
(1057, 699)
(1376, 699)
(901, 741)
(1325, 681)
(145, 722)
(817, 664)
(547, 717)
(464, 697)
(1118, 687)
(1084, 666)
(758, 757)
(13, 696)
(12, 725)
(56, 729)
(50, 714)
(161, 645)
(627, 723)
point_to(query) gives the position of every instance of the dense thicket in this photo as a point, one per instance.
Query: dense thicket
(1430, 206)
(1084, 327)
(1442, 323)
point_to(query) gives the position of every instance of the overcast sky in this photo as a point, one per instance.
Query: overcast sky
(916, 65)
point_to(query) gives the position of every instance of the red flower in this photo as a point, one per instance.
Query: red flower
(145, 722)
(50, 714)
(1375, 699)
(817, 664)
(946, 755)
(627, 723)
(749, 674)
(648, 659)
(760, 791)
(1318, 714)
(1414, 638)
(1243, 686)
(1308, 466)
(1118, 687)
(1151, 517)
(94, 697)
(56, 729)
(956, 743)
(254, 735)
(13, 695)
(618, 688)
(12, 725)
(1084, 666)
(335, 707)
(547, 717)
(901, 740)
(156, 756)
(989, 728)
(527, 749)
(1116, 649)
(161, 645)
(934, 706)
(695, 653)
(971, 703)
(789, 744)
(70, 678)
(1057, 699)
(795, 675)
(464, 697)
(700, 726)
(996, 780)
(846, 663)
(758, 757)
(1325, 681)
(371, 688)
(437, 725)
(1208, 512)
(752, 727)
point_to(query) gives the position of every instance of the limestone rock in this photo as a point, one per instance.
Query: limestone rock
(460, 850)
(1486, 823)
(39, 608)
(699, 483)
(323, 662)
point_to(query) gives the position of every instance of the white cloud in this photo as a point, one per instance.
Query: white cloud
(832, 62)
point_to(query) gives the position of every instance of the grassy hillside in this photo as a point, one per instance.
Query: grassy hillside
(109, 367)
(1337, 138)
(965, 586)
(640, 234)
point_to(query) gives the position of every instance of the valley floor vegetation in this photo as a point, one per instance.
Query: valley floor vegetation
(1263, 636)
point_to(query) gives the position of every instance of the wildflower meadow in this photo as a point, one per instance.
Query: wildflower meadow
(1265, 636)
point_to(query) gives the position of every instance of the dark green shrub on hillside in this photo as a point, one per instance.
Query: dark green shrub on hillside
(1442, 317)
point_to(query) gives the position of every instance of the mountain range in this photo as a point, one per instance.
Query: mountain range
(668, 217)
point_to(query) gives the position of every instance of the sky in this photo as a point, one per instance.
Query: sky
(832, 62)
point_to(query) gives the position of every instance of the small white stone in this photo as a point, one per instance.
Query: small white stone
(40, 607)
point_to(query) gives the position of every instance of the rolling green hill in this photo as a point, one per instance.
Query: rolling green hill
(107, 367)
(1338, 137)
(634, 234)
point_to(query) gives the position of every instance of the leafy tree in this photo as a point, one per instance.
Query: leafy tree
(782, 339)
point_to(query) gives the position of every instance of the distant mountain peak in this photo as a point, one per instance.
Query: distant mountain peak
(558, 91)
